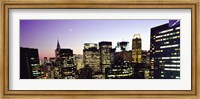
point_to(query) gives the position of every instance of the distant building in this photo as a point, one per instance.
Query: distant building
(105, 48)
(146, 63)
(91, 56)
(121, 46)
(78, 61)
(52, 60)
(85, 73)
(45, 60)
(146, 57)
(65, 68)
(165, 50)
(29, 63)
(119, 70)
(68, 67)
(124, 56)
(48, 71)
(137, 49)
(121, 66)
(57, 51)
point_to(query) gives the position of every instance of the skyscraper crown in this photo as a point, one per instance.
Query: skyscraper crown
(136, 36)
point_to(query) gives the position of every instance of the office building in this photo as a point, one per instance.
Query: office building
(65, 67)
(68, 67)
(85, 73)
(91, 56)
(119, 70)
(136, 49)
(78, 61)
(165, 50)
(105, 48)
(29, 63)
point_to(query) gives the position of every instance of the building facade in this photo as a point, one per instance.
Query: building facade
(29, 63)
(165, 50)
(91, 56)
(78, 61)
(105, 49)
(137, 49)
(64, 67)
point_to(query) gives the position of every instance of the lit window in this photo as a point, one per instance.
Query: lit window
(166, 31)
(177, 77)
(168, 46)
(166, 42)
(177, 49)
(177, 28)
(165, 57)
(175, 61)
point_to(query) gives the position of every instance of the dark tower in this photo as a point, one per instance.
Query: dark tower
(57, 49)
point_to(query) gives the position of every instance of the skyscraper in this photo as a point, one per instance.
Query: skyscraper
(78, 61)
(165, 50)
(57, 65)
(137, 49)
(29, 63)
(65, 67)
(105, 48)
(57, 50)
(67, 64)
(91, 56)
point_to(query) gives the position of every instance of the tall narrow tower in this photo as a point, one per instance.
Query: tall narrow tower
(57, 49)
(136, 49)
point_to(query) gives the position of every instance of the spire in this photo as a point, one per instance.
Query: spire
(58, 44)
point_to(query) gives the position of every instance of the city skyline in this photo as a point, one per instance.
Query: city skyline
(43, 34)
(101, 59)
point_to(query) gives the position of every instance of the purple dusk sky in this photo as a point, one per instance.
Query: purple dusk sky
(43, 34)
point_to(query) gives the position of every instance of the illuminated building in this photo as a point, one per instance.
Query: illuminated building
(45, 60)
(137, 49)
(105, 54)
(48, 72)
(121, 46)
(121, 66)
(52, 60)
(90, 45)
(98, 75)
(119, 70)
(142, 70)
(165, 50)
(121, 53)
(57, 65)
(85, 73)
(64, 67)
(29, 63)
(91, 56)
(68, 67)
(44, 71)
(78, 61)
(146, 58)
